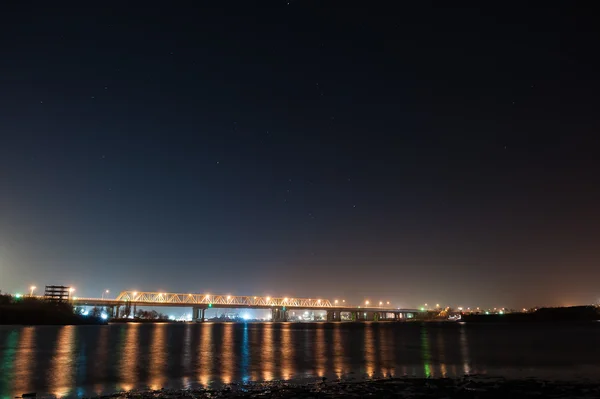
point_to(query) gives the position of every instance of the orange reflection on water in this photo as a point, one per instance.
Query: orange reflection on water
(158, 356)
(129, 357)
(25, 360)
(61, 371)
(338, 351)
(287, 352)
(101, 356)
(320, 351)
(187, 347)
(464, 350)
(386, 348)
(227, 354)
(205, 359)
(267, 352)
(369, 350)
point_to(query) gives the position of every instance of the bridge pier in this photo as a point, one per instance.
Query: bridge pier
(334, 315)
(278, 315)
(198, 314)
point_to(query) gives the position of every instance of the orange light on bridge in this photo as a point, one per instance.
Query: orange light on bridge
(268, 298)
(366, 302)
(380, 303)
(388, 302)
(285, 299)
(228, 297)
(318, 301)
(336, 301)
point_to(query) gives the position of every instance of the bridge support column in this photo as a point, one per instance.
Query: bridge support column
(198, 314)
(117, 315)
(334, 315)
(278, 315)
(134, 310)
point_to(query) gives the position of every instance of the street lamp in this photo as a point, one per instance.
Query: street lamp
(105, 292)
(32, 288)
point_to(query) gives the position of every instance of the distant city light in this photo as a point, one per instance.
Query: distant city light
(103, 316)
(246, 316)
(437, 305)
(18, 296)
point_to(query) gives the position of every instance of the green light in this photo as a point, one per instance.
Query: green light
(210, 305)
(501, 312)
(18, 296)
(284, 308)
(487, 312)
(422, 309)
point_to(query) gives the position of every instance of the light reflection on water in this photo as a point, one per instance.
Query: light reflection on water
(60, 374)
(90, 360)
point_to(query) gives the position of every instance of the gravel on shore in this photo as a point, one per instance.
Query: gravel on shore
(467, 387)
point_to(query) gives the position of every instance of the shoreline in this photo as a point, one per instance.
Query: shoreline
(474, 386)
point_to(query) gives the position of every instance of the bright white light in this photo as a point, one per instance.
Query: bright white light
(104, 316)
(228, 296)
(246, 316)
(85, 312)
(171, 317)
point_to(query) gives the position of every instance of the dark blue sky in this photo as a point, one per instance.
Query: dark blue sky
(408, 153)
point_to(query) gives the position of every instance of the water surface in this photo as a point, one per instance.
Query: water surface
(71, 361)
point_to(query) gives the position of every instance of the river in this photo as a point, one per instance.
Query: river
(74, 361)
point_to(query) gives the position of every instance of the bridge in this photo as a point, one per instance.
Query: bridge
(279, 306)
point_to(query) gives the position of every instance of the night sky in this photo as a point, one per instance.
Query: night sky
(393, 151)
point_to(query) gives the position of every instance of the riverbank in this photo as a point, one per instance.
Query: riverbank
(38, 314)
(468, 387)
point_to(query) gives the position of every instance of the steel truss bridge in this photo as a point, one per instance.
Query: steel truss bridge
(279, 306)
(229, 300)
